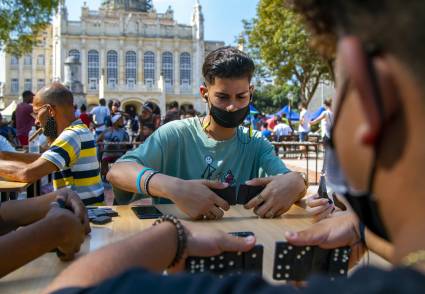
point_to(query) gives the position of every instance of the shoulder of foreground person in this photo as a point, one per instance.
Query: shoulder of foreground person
(367, 280)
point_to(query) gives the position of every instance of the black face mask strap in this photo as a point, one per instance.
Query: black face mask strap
(378, 100)
(373, 208)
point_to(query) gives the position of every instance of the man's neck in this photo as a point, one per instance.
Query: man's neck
(64, 122)
(216, 131)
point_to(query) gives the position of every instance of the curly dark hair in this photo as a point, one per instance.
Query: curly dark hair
(392, 26)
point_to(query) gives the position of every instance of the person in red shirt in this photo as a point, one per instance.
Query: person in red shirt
(24, 119)
(85, 118)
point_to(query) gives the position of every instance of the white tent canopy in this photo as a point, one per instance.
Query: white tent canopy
(7, 112)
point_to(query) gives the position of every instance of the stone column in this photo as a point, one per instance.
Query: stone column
(158, 62)
(176, 71)
(83, 60)
(139, 59)
(121, 67)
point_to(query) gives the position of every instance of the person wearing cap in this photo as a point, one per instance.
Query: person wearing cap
(149, 116)
(24, 120)
(116, 133)
(71, 156)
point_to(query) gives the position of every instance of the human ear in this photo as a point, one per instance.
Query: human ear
(204, 92)
(364, 78)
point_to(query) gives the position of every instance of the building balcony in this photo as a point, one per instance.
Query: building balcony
(131, 89)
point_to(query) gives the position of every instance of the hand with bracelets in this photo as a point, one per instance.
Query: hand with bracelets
(193, 197)
(195, 240)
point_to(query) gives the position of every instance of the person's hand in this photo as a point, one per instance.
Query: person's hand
(73, 202)
(71, 231)
(278, 195)
(342, 229)
(317, 208)
(202, 241)
(197, 200)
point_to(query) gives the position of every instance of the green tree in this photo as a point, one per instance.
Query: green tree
(271, 98)
(282, 42)
(21, 21)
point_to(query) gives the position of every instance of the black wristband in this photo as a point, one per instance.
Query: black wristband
(147, 180)
(181, 236)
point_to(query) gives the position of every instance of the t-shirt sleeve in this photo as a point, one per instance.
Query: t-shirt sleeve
(270, 163)
(64, 150)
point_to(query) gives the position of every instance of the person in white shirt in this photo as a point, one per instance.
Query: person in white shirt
(326, 118)
(99, 115)
(304, 126)
(281, 129)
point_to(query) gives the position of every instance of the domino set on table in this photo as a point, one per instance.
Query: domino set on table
(291, 263)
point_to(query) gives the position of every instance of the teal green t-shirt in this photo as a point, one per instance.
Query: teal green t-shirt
(182, 149)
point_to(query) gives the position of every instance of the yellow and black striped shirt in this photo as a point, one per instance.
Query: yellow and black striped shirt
(74, 153)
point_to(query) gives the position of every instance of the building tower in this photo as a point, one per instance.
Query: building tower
(198, 43)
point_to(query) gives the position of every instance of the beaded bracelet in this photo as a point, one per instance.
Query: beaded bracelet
(181, 236)
(147, 180)
(139, 177)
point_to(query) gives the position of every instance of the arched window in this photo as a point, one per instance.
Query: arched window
(149, 68)
(14, 60)
(40, 59)
(167, 68)
(185, 69)
(27, 60)
(93, 69)
(74, 52)
(130, 68)
(112, 68)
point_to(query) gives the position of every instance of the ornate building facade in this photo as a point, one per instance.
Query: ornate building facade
(126, 50)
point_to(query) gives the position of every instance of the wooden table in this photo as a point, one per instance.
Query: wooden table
(35, 276)
(7, 187)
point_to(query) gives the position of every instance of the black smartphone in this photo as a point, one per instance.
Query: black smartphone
(146, 212)
(322, 191)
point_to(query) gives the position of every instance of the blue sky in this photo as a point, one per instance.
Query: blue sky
(223, 18)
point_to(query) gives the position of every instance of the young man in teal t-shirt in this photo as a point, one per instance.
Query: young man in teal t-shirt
(194, 155)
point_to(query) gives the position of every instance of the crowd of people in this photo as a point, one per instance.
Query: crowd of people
(374, 143)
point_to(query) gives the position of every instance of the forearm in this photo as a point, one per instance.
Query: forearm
(152, 249)
(379, 245)
(21, 157)
(20, 247)
(13, 170)
(17, 213)
(123, 175)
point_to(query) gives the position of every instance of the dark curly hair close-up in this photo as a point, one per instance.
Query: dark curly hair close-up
(392, 26)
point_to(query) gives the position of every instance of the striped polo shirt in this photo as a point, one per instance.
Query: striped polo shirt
(74, 153)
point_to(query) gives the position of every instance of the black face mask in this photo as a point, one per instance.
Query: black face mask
(362, 202)
(50, 130)
(228, 119)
